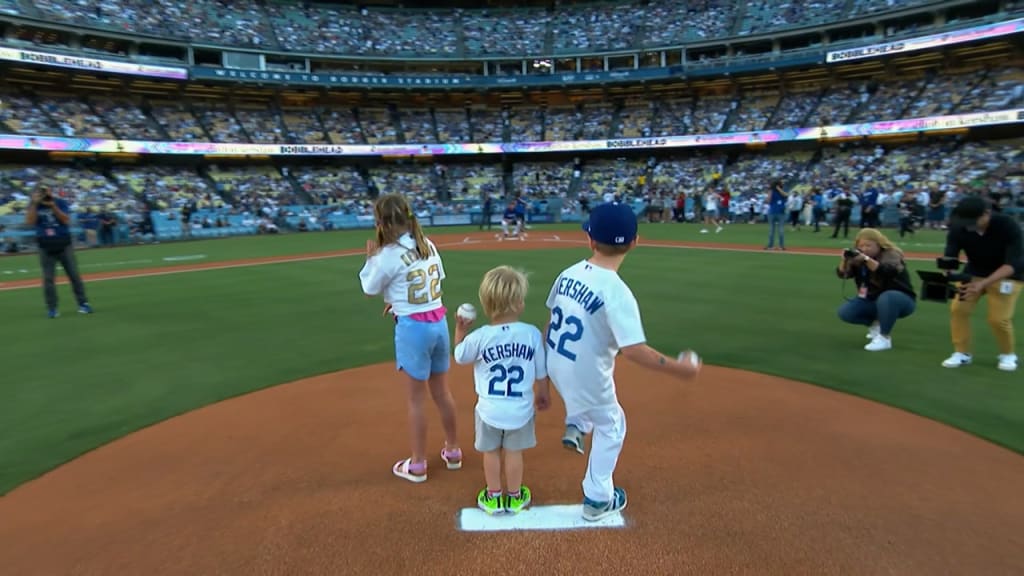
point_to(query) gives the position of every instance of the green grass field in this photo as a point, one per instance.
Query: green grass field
(160, 346)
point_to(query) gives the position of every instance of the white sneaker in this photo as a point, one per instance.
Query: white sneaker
(957, 360)
(1008, 362)
(874, 331)
(717, 230)
(879, 343)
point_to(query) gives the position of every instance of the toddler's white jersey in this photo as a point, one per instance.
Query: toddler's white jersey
(593, 315)
(409, 284)
(507, 359)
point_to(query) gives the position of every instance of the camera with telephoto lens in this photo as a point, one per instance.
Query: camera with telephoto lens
(851, 253)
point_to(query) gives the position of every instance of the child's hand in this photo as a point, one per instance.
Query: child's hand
(463, 324)
(542, 399)
(542, 396)
(387, 309)
(372, 248)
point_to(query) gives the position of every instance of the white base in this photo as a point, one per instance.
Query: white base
(557, 517)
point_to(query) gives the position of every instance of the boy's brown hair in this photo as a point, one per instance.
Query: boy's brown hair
(609, 250)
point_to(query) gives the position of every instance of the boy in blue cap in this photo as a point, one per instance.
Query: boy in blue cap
(594, 317)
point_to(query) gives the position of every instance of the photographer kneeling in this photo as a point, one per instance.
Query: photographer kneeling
(884, 291)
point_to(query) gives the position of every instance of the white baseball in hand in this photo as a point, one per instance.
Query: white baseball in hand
(689, 356)
(466, 312)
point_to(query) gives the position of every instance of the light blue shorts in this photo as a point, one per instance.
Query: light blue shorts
(422, 348)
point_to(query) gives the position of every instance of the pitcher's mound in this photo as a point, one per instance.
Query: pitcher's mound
(739, 473)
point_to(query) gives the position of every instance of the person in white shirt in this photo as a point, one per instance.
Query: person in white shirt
(404, 266)
(711, 201)
(594, 317)
(508, 358)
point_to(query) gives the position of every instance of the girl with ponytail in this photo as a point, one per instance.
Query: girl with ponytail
(404, 266)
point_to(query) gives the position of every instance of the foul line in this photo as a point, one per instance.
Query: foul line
(556, 239)
(225, 266)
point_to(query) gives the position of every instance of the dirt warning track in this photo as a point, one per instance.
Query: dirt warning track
(738, 473)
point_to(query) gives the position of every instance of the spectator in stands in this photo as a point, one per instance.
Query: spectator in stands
(51, 218)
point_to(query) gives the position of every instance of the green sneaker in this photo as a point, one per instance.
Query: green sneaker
(516, 504)
(490, 504)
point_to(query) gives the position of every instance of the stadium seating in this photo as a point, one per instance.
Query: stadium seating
(305, 27)
(239, 198)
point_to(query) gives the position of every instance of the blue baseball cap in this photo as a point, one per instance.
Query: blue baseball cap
(611, 223)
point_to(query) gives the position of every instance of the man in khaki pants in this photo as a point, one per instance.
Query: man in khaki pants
(994, 247)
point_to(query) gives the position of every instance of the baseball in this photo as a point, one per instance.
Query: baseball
(466, 312)
(691, 355)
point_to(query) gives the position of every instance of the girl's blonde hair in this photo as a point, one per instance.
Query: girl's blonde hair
(503, 291)
(394, 216)
(877, 237)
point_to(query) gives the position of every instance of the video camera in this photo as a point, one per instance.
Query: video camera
(851, 253)
(939, 286)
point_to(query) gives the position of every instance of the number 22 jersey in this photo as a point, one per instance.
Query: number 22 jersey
(593, 315)
(409, 284)
(507, 359)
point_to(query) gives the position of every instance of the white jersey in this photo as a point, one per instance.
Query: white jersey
(507, 359)
(711, 202)
(593, 315)
(409, 284)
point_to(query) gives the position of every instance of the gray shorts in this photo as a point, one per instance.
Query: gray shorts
(489, 438)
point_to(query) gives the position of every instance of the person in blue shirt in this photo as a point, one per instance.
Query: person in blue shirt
(776, 216)
(521, 206)
(510, 218)
(50, 217)
(869, 216)
(818, 208)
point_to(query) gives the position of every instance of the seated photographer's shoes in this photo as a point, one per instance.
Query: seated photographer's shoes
(957, 360)
(879, 343)
(874, 331)
(1008, 362)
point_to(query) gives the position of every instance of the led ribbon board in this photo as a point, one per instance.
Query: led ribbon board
(92, 64)
(931, 41)
(909, 125)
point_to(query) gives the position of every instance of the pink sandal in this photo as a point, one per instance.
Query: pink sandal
(413, 472)
(452, 458)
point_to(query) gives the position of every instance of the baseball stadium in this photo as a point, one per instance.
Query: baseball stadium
(196, 378)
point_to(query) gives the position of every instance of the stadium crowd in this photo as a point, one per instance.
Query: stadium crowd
(917, 181)
(305, 26)
(273, 196)
(961, 91)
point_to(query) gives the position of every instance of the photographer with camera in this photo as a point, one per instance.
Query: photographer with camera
(884, 291)
(994, 248)
(50, 217)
